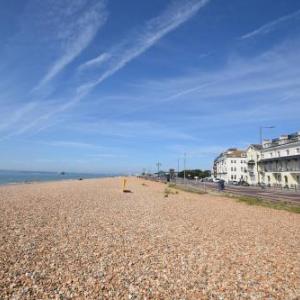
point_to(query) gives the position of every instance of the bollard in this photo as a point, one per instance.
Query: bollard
(124, 184)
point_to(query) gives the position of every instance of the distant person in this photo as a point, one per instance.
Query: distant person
(221, 185)
(168, 177)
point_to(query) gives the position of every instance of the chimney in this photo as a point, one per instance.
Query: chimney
(266, 143)
(283, 139)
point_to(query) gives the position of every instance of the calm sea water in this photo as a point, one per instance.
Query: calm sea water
(29, 176)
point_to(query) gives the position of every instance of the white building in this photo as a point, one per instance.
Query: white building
(253, 153)
(231, 165)
(280, 161)
(275, 163)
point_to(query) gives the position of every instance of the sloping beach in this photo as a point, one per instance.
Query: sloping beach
(88, 239)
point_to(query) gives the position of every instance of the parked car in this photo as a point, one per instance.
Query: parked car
(216, 179)
(233, 182)
(243, 183)
(262, 185)
(207, 179)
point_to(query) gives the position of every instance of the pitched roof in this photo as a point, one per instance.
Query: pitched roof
(256, 146)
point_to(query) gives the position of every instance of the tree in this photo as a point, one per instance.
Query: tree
(195, 173)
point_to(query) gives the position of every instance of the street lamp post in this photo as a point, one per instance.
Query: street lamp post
(178, 161)
(184, 164)
(261, 132)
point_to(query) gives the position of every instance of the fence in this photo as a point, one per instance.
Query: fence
(270, 194)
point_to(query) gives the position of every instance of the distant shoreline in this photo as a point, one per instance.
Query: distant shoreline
(56, 181)
(27, 177)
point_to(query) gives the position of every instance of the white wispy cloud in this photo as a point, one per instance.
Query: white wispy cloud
(154, 30)
(129, 130)
(195, 150)
(17, 115)
(265, 29)
(274, 71)
(76, 37)
(267, 82)
(41, 121)
(243, 91)
(72, 144)
(106, 155)
(95, 62)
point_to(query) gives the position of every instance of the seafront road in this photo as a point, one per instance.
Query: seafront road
(276, 195)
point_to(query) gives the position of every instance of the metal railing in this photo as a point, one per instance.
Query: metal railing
(274, 193)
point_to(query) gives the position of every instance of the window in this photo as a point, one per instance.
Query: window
(242, 169)
(287, 152)
(278, 153)
(298, 150)
(271, 154)
(279, 177)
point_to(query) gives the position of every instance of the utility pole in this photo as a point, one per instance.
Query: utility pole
(184, 165)
(158, 164)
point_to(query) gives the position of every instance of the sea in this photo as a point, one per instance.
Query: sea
(11, 177)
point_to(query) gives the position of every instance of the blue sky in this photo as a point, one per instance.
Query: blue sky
(115, 86)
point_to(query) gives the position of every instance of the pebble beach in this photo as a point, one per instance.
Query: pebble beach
(89, 240)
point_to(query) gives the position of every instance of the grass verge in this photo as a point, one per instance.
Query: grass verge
(246, 199)
(168, 192)
(186, 189)
(275, 205)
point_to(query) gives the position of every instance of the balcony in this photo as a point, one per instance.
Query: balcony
(281, 169)
(279, 158)
(251, 162)
(286, 164)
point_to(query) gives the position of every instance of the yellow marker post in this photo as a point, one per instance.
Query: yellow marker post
(124, 184)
